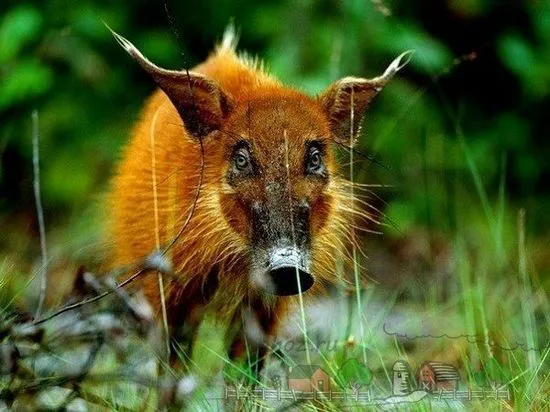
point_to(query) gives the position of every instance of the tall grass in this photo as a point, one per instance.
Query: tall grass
(493, 311)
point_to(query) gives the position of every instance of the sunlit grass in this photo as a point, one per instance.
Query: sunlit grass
(496, 296)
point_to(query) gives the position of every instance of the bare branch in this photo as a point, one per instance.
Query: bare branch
(40, 214)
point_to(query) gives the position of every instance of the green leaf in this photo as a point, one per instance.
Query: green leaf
(25, 81)
(517, 54)
(20, 26)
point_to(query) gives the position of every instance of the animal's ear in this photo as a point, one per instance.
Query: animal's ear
(345, 100)
(200, 102)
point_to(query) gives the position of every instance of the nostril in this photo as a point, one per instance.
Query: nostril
(290, 280)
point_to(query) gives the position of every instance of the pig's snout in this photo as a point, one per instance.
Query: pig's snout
(288, 272)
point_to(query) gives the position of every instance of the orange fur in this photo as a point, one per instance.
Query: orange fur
(156, 183)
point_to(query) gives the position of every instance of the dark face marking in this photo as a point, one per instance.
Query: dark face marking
(243, 164)
(314, 165)
(278, 168)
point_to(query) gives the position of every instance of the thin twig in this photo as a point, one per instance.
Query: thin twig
(160, 279)
(40, 214)
(90, 300)
(105, 378)
(300, 297)
(201, 176)
(353, 232)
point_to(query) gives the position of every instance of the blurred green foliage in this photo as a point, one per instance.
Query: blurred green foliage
(478, 85)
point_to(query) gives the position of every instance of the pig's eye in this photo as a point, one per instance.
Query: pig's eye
(241, 164)
(241, 160)
(314, 161)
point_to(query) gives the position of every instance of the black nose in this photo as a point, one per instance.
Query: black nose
(289, 280)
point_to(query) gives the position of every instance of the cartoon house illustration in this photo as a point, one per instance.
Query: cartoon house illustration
(308, 378)
(433, 376)
(403, 378)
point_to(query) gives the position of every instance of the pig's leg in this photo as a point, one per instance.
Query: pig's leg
(250, 334)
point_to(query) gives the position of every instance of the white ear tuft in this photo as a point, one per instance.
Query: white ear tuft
(143, 61)
(397, 64)
(200, 102)
(346, 100)
(230, 38)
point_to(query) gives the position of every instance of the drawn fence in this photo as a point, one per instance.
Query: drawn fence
(361, 396)
(291, 394)
(471, 394)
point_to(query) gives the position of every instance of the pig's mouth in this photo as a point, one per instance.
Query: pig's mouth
(286, 272)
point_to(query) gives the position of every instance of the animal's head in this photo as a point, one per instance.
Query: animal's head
(280, 190)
